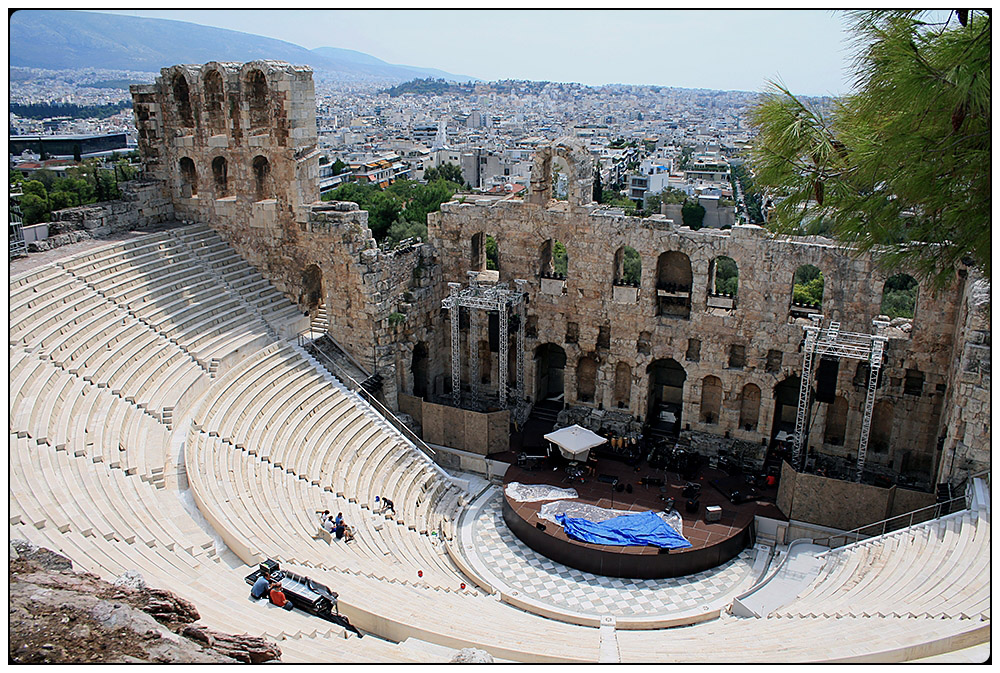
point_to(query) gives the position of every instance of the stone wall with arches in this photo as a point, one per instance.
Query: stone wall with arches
(688, 322)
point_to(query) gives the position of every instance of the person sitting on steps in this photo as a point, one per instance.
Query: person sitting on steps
(260, 587)
(277, 597)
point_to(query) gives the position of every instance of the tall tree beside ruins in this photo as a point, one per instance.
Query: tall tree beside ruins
(905, 158)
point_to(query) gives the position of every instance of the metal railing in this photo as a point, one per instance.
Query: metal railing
(891, 524)
(354, 386)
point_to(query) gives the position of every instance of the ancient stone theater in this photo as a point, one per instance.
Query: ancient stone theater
(544, 461)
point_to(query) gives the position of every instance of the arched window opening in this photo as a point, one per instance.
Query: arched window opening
(312, 288)
(836, 422)
(189, 178)
(807, 291)
(628, 267)
(215, 102)
(899, 302)
(182, 99)
(749, 406)
(711, 400)
(586, 379)
(623, 385)
(263, 188)
(550, 363)
(257, 100)
(492, 254)
(673, 285)
(220, 174)
(666, 394)
(477, 256)
(553, 260)
(560, 179)
(723, 279)
(418, 370)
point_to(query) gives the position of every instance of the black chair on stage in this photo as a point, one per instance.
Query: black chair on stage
(692, 505)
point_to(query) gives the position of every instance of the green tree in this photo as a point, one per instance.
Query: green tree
(598, 187)
(402, 229)
(726, 276)
(902, 167)
(684, 160)
(807, 285)
(560, 260)
(446, 171)
(338, 167)
(631, 266)
(34, 208)
(693, 214)
(492, 254)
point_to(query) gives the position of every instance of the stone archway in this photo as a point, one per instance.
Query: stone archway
(550, 365)
(578, 165)
(665, 400)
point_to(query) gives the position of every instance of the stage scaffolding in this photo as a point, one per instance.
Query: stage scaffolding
(481, 297)
(832, 342)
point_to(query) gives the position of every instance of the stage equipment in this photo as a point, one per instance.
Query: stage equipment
(507, 303)
(713, 513)
(831, 342)
(304, 593)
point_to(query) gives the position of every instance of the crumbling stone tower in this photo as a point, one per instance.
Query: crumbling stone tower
(234, 146)
(233, 143)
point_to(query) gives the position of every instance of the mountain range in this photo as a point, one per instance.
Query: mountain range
(64, 39)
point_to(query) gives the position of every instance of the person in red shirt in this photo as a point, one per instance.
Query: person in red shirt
(278, 597)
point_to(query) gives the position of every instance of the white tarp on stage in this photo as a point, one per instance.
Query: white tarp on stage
(575, 442)
(536, 492)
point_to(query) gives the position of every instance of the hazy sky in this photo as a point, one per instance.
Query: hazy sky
(714, 49)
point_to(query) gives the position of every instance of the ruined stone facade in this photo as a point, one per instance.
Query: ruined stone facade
(235, 146)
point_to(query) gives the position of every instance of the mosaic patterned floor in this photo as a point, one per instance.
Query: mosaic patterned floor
(506, 561)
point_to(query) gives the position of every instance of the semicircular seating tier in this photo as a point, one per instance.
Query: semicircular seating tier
(110, 349)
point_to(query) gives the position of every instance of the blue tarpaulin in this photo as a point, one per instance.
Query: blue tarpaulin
(641, 529)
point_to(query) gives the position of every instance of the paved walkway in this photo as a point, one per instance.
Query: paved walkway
(510, 565)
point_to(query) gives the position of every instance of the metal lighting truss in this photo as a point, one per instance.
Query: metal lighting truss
(482, 297)
(832, 342)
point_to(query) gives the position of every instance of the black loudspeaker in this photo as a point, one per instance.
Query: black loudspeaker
(494, 331)
(619, 488)
(540, 526)
(826, 379)
(628, 488)
(692, 506)
(663, 550)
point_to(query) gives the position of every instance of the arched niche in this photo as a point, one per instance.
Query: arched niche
(189, 177)
(263, 184)
(257, 99)
(749, 407)
(586, 379)
(182, 98)
(711, 400)
(220, 176)
(215, 102)
(623, 385)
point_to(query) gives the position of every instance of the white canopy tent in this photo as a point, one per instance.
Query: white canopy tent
(575, 442)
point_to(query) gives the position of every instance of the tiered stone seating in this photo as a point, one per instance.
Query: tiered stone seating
(166, 287)
(933, 569)
(100, 354)
(277, 311)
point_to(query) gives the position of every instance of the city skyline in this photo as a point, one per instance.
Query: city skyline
(709, 49)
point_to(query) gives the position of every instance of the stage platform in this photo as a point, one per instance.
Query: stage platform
(712, 543)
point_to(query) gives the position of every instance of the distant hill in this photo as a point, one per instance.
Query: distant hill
(63, 39)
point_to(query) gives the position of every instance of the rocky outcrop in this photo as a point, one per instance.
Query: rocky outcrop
(58, 615)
